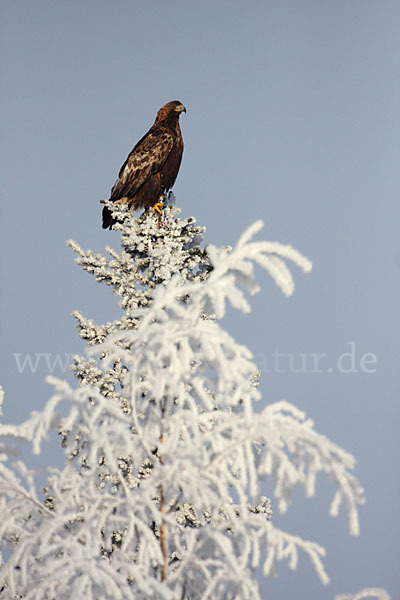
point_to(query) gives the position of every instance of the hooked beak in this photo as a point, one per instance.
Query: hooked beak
(180, 108)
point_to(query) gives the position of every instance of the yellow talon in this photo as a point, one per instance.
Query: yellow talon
(159, 205)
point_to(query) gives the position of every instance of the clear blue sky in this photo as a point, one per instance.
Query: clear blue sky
(293, 116)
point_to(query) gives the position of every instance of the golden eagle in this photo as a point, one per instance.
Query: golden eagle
(151, 168)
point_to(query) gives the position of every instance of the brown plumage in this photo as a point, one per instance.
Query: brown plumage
(151, 168)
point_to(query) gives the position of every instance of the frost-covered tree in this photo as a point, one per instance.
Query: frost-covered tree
(159, 496)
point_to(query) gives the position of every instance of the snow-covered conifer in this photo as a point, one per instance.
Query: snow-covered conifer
(160, 494)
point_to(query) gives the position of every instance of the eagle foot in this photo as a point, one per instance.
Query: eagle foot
(159, 205)
(158, 208)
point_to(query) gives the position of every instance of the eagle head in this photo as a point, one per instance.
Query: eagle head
(179, 107)
(171, 110)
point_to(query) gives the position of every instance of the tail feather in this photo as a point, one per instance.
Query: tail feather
(108, 220)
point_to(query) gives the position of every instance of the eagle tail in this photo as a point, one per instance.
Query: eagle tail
(108, 220)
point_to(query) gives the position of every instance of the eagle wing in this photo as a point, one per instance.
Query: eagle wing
(146, 158)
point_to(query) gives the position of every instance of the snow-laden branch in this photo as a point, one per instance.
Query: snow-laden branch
(160, 494)
(372, 593)
(268, 255)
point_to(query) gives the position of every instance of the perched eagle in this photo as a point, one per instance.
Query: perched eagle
(151, 168)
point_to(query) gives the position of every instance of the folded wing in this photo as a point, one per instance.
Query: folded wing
(146, 159)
